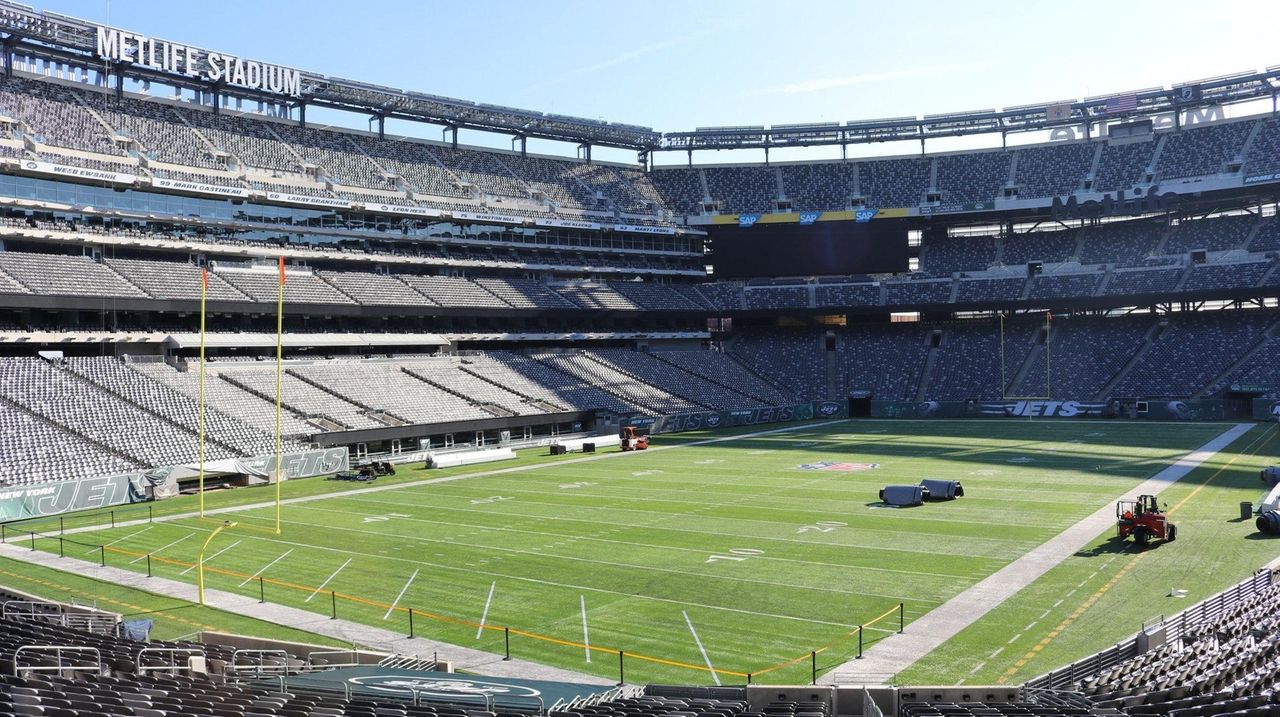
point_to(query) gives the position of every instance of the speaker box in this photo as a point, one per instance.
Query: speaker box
(588, 448)
(558, 450)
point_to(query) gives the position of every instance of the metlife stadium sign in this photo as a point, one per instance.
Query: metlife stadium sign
(117, 45)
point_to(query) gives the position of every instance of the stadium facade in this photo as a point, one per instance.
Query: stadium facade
(437, 294)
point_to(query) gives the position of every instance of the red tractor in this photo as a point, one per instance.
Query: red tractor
(1143, 519)
(633, 439)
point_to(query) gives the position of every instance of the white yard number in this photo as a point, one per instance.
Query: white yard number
(738, 554)
(490, 499)
(822, 526)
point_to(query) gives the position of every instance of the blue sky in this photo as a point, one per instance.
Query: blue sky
(680, 65)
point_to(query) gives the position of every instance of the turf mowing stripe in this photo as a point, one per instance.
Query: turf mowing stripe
(207, 560)
(649, 568)
(485, 615)
(326, 580)
(264, 568)
(966, 552)
(698, 641)
(572, 586)
(402, 592)
(633, 455)
(634, 544)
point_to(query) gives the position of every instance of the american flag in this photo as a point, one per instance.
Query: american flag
(1122, 103)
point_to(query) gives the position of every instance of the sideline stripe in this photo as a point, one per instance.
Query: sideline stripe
(698, 641)
(402, 592)
(161, 549)
(485, 615)
(119, 540)
(1053, 634)
(210, 558)
(586, 641)
(931, 630)
(326, 580)
(268, 565)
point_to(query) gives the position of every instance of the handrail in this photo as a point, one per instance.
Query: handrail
(57, 651)
(172, 653)
(260, 669)
(9, 609)
(332, 665)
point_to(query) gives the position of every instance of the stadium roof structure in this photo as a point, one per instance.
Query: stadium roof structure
(57, 38)
(62, 38)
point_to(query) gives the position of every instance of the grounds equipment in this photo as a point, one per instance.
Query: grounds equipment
(1144, 520)
(633, 439)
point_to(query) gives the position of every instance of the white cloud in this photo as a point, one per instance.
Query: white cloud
(821, 84)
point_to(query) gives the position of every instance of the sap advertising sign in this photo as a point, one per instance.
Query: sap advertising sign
(121, 46)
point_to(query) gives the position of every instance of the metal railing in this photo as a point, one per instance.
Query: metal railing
(172, 653)
(57, 651)
(278, 665)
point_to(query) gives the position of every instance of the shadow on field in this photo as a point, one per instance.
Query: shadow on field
(1113, 546)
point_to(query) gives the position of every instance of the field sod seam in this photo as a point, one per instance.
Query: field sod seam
(624, 542)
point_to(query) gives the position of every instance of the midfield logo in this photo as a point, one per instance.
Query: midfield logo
(841, 467)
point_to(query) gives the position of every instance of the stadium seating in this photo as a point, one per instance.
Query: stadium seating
(1201, 151)
(1169, 370)
(894, 182)
(791, 356)
(1053, 170)
(972, 177)
(887, 361)
(1123, 165)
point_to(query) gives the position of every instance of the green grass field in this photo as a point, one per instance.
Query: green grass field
(763, 559)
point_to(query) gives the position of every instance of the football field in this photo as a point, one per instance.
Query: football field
(738, 556)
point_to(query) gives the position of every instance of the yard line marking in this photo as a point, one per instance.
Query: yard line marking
(540, 553)
(926, 633)
(701, 649)
(586, 641)
(119, 540)
(161, 549)
(268, 565)
(498, 528)
(326, 580)
(977, 667)
(211, 557)
(1013, 639)
(604, 591)
(485, 615)
(402, 592)
(992, 656)
(463, 476)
